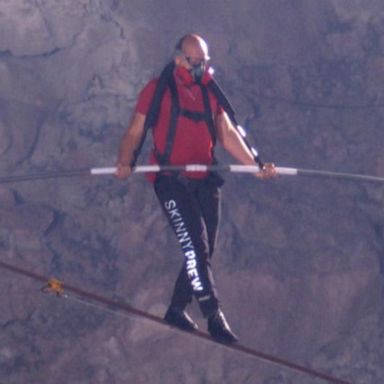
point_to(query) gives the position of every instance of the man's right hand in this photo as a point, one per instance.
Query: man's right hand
(123, 171)
(268, 171)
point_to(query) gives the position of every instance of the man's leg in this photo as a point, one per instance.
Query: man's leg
(209, 199)
(193, 211)
(182, 292)
(184, 214)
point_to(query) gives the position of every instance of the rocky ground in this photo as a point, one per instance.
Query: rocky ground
(299, 263)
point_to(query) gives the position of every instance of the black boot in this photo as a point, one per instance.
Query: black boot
(180, 319)
(220, 330)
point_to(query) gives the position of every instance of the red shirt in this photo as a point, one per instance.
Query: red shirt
(193, 143)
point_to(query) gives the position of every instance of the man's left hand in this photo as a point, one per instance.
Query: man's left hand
(268, 171)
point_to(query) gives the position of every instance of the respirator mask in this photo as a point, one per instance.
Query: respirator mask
(198, 68)
(197, 71)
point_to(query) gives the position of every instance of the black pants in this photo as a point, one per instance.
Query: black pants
(193, 210)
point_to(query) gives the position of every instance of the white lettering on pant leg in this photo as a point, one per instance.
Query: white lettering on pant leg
(183, 237)
(179, 227)
(192, 271)
(174, 214)
(191, 264)
(190, 255)
(196, 284)
(186, 244)
(170, 204)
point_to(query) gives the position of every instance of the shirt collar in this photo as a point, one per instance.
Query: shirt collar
(183, 76)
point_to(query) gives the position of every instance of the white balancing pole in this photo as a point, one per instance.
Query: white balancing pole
(234, 168)
(242, 169)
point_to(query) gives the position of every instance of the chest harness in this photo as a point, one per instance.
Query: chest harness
(167, 80)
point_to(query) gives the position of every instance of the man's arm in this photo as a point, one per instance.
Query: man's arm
(128, 145)
(234, 144)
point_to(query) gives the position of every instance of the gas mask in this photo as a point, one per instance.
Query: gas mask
(203, 75)
(197, 71)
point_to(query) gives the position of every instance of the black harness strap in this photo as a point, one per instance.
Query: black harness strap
(154, 109)
(176, 111)
(208, 113)
(192, 115)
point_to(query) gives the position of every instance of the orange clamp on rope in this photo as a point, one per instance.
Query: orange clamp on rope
(54, 286)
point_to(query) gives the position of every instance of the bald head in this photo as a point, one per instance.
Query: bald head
(193, 46)
(192, 54)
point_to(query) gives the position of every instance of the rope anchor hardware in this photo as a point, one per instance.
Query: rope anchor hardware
(54, 286)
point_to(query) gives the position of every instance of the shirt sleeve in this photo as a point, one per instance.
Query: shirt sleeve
(145, 97)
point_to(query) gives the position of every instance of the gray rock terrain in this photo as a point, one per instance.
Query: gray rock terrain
(299, 263)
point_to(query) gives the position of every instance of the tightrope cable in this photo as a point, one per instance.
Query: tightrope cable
(59, 288)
